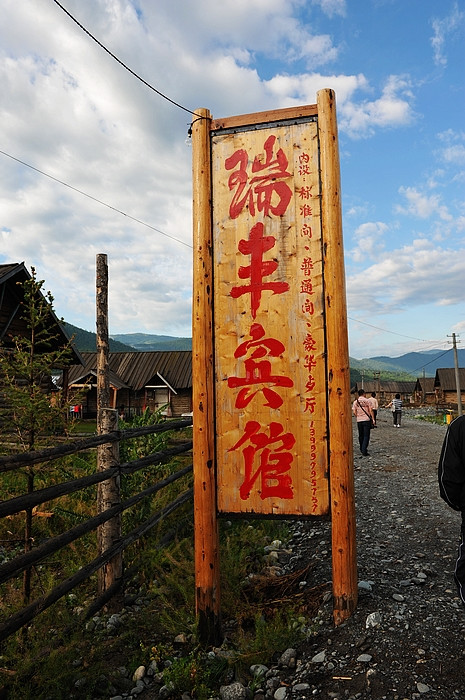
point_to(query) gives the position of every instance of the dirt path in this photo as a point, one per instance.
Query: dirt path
(406, 639)
(407, 542)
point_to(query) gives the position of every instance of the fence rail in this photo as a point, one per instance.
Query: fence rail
(25, 561)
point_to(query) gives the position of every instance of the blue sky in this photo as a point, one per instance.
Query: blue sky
(70, 110)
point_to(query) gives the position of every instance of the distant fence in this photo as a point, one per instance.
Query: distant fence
(23, 562)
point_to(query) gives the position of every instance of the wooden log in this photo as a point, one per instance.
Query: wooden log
(344, 560)
(109, 491)
(207, 578)
(11, 462)
(15, 566)
(21, 618)
(15, 505)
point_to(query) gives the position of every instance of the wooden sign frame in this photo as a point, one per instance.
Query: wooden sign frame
(341, 484)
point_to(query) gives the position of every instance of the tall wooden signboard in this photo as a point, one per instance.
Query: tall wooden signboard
(272, 424)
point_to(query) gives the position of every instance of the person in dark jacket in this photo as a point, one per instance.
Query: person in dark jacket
(451, 476)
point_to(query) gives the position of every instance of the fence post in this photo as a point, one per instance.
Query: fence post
(108, 492)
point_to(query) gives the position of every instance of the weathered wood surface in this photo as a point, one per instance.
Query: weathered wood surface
(292, 318)
(207, 572)
(344, 558)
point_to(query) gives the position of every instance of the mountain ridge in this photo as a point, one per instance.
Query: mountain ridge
(408, 366)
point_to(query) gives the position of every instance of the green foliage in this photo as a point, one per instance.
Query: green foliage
(135, 448)
(29, 406)
(196, 674)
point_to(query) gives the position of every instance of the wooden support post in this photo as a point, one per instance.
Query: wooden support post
(108, 492)
(207, 577)
(344, 559)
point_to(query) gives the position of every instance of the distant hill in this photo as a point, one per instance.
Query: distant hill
(406, 367)
(85, 341)
(412, 363)
(148, 342)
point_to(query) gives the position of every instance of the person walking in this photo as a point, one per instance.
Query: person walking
(363, 412)
(451, 477)
(374, 405)
(396, 408)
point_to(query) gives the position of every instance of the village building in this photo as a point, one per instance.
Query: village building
(386, 390)
(425, 393)
(138, 380)
(445, 387)
(12, 324)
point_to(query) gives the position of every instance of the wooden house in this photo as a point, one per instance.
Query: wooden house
(425, 392)
(446, 387)
(12, 323)
(138, 380)
(386, 390)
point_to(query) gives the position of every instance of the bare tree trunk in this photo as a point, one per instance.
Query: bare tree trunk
(108, 493)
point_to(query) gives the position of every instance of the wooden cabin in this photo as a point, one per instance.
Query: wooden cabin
(12, 323)
(446, 387)
(138, 380)
(386, 390)
(425, 393)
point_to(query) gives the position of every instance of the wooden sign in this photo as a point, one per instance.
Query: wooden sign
(269, 336)
(270, 359)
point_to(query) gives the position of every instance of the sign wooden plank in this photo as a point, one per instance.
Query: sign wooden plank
(270, 393)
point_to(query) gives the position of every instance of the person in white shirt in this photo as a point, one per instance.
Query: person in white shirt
(396, 408)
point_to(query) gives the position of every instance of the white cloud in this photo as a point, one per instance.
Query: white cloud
(392, 108)
(332, 7)
(369, 240)
(421, 205)
(442, 29)
(414, 275)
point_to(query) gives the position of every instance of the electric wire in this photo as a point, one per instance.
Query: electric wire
(158, 92)
(99, 201)
(421, 340)
(436, 357)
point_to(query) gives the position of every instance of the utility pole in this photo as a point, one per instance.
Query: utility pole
(457, 376)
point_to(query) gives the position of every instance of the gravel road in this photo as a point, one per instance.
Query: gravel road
(406, 639)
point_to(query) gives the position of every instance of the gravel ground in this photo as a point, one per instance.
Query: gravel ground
(407, 636)
(406, 639)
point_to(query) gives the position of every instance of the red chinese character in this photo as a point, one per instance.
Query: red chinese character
(305, 193)
(306, 231)
(309, 362)
(308, 307)
(310, 402)
(304, 158)
(307, 266)
(305, 210)
(267, 458)
(310, 385)
(267, 191)
(256, 246)
(309, 343)
(259, 372)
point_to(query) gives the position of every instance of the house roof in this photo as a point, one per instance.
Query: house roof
(139, 369)
(425, 384)
(387, 386)
(445, 379)
(12, 278)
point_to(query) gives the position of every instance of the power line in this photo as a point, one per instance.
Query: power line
(165, 97)
(393, 332)
(436, 357)
(94, 199)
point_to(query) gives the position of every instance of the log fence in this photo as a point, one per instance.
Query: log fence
(28, 559)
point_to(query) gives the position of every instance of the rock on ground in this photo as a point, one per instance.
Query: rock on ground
(406, 639)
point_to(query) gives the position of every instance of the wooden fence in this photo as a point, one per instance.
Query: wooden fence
(28, 559)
